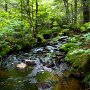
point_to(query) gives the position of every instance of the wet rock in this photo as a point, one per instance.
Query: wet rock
(21, 66)
(59, 54)
(32, 80)
(26, 55)
(36, 71)
(50, 65)
(63, 67)
(53, 43)
(38, 49)
(54, 56)
(50, 43)
(47, 69)
(20, 60)
(61, 58)
(63, 38)
(44, 51)
(49, 48)
(30, 62)
(57, 62)
(44, 85)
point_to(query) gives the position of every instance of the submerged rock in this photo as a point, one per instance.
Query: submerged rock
(44, 85)
(50, 65)
(49, 48)
(30, 62)
(21, 66)
(40, 49)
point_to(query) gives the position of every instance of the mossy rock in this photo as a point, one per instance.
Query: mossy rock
(79, 59)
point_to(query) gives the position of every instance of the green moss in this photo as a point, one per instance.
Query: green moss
(43, 76)
(80, 60)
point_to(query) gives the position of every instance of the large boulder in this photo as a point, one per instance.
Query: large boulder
(21, 66)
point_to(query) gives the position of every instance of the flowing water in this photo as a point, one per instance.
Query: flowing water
(48, 71)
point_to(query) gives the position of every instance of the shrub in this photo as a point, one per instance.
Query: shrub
(85, 27)
(69, 46)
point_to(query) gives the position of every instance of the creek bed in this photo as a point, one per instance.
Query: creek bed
(50, 71)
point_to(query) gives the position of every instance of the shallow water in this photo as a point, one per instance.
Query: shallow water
(39, 76)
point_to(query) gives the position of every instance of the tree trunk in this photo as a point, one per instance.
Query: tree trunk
(6, 6)
(75, 14)
(32, 10)
(67, 11)
(36, 16)
(21, 11)
(72, 20)
(85, 10)
(30, 19)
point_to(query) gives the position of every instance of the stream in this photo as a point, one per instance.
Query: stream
(42, 68)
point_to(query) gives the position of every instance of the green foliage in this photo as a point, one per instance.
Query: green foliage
(85, 27)
(78, 57)
(64, 30)
(69, 46)
(87, 79)
(72, 40)
(4, 18)
(87, 36)
(4, 48)
(14, 37)
(40, 36)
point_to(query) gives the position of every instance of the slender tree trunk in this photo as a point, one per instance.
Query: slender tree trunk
(67, 11)
(29, 18)
(6, 6)
(85, 10)
(36, 16)
(21, 11)
(75, 14)
(32, 10)
(72, 20)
